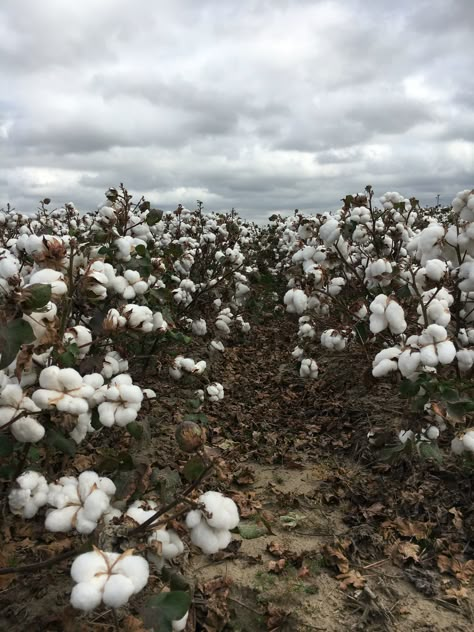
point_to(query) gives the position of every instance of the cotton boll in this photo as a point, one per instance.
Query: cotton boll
(27, 430)
(457, 446)
(406, 435)
(135, 568)
(205, 538)
(87, 596)
(225, 514)
(432, 432)
(297, 353)
(179, 625)
(31, 494)
(199, 327)
(117, 591)
(435, 269)
(468, 440)
(446, 352)
(408, 362)
(171, 544)
(384, 367)
(193, 518)
(61, 520)
(395, 317)
(96, 504)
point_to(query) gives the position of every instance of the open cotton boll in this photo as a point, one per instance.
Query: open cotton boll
(171, 544)
(82, 337)
(140, 510)
(395, 317)
(306, 331)
(113, 364)
(297, 353)
(178, 625)
(309, 368)
(199, 327)
(406, 435)
(296, 301)
(210, 540)
(225, 514)
(435, 269)
(30, 495)
(215, 391)
(408, 362)
(332, 339)
(50, 277)
(107, 577)
(468, 440)
(465, 359)
(457, 446)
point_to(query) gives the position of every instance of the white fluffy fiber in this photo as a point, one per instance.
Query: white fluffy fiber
(211, 532)
(13, 402)
(79, 503)
(119, 401)
(30, 495)
(111, 578)
(63, 389)
(309, 368)
(296, 301)
(386, 312)
(215, 392)
(332, 339)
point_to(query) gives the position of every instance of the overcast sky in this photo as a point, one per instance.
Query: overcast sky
(264, 105)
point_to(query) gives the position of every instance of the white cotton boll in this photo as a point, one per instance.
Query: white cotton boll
(408, 362)
(405, 435)
(96, 504)
(125, 415)
(199, 327)
(84, 524)
(27, 430)
(70, 379)
(199, 367)
(384, 367)
(106, 412)
(61, 520)
(457, 446)
(225, 514)
(136, 569)
(117, 591)
(429, 356)
(95, 380)
(468, 440)
(465, 359)
(297, 353)
(432, 432)
(377, 323)
(435, 269)
(217, 345)
(187, 364)
(149, 393)
(306, 331)
(395, 317)
(204, 537)
(49, 378)
(178, 625)
(171, 544)
(193, 518)
(222, 326)
(87, 596)
(446, 352)
(31, 494)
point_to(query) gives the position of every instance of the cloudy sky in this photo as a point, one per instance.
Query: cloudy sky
(264, 105)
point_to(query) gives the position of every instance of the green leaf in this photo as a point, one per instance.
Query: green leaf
(193, 468)
(69, 357)
(154, 216)
(161, 610)
(362, 330)
(429, 450)
(408, 388)
(57, 440)
(7, 444)
(135, 430)
(251, 531)
(178, 336)
(201, 417)
(141, 250)
(37, 296)
(16, 333)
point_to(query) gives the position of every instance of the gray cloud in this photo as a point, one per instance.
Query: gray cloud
(261, 105)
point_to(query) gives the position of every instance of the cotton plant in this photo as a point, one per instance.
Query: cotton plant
(108, 578)
(78, 503)
(113, 364)
(210, 527)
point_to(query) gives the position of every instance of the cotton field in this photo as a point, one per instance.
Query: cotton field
(104, 314)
